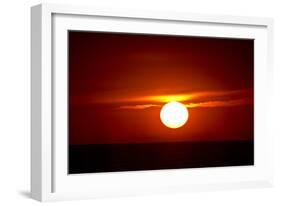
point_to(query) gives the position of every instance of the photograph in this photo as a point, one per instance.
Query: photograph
(140, 101)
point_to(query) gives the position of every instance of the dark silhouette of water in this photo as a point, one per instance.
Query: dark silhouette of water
(155, 156)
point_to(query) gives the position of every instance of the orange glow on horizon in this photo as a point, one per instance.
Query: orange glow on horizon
(227, 103)
(190, 99)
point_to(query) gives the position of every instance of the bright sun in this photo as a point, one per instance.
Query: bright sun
(174, 115)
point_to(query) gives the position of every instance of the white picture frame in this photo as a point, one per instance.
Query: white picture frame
(49, 178)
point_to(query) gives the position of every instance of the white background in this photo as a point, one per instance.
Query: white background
(15, 102)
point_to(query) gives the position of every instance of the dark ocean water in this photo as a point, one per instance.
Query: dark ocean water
(154, 156)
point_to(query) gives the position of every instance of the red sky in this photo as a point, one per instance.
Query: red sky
(119, 82)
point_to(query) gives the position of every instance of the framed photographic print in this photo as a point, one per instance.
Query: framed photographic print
(137, 102)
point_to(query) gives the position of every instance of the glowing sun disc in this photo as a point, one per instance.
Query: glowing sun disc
(174, 115)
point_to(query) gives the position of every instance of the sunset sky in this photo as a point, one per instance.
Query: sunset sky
(119, 82)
